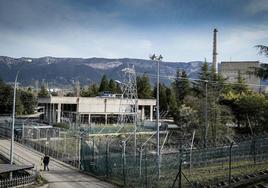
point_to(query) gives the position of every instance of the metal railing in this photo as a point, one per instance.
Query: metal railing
(22, 180)
(27, 178)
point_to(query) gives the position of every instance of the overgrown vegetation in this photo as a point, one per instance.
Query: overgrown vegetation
(26, 101)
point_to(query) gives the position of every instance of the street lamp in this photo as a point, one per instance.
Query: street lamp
(14, 113)
(157, 59)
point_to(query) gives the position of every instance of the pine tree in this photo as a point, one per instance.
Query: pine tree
(104, 85)
(28, 100)
(144, 87)
(184, 87)
(91, 91)
(163, 105)
(204, 74)
(200, 85)
(112, 86)
(172, 105)
(5, 98)
(240, 86)
(118, 88)
(43, 91)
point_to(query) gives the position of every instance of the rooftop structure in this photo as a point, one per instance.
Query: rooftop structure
(230, 70)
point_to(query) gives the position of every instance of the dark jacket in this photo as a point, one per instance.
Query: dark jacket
(46, 159)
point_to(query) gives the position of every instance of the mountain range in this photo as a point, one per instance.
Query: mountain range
(66, 71)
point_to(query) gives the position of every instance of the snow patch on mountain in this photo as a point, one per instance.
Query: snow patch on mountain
(105, 66)
(49, 60)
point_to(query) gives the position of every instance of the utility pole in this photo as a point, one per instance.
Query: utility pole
(157, 59)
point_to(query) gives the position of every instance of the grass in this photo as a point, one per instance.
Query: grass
(213, 173)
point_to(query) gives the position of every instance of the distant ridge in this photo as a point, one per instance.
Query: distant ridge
(65, 71)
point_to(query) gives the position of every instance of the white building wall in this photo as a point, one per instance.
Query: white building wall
(94, 105)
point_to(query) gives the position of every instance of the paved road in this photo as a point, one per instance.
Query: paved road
(60, 175)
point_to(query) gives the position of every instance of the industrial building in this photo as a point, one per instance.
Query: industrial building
(87, 110)
(230, 71)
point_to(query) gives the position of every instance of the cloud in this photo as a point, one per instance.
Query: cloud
(238, 43)
(257, 6)
(178, 30)
(36, 15)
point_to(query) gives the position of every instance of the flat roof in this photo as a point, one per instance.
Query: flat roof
(88, 100)
(223, 62)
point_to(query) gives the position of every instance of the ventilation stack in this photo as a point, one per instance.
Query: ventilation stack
(214, 58)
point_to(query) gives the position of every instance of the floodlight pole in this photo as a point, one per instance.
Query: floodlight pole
(157, 59)
(157, 122)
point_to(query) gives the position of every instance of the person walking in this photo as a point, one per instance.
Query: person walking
(46, 162)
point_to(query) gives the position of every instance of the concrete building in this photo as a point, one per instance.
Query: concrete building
(87, 110)
(230, 71)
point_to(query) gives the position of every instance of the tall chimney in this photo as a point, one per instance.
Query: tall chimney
(214, 59)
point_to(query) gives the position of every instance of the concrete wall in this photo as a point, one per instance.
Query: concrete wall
(230, 70)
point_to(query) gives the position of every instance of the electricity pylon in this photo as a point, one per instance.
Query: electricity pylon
(129, 101)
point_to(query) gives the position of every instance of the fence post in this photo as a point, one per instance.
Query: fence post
(79, 151)
(107, 163)
(180, 170)
(254, 150)
(64, 143)
(93, 150)
(146, 176)
(124, 161)
(230, 162)
(140, 159)
(191, 150)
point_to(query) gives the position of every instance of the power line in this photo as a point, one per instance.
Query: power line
(196, 79)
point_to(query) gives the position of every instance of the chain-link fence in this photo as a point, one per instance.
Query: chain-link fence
(115, 161)
(111, 153)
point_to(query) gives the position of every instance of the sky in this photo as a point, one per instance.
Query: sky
(179, 30)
